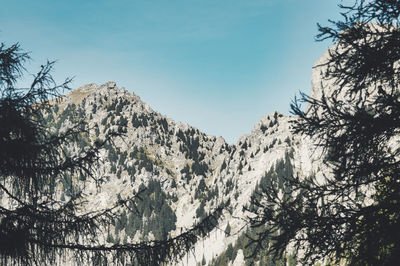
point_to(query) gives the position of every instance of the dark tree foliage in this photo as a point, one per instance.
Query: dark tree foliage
(353, 215)
(36, 227)
(160, 219)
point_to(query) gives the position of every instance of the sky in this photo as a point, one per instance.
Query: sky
(218, 65)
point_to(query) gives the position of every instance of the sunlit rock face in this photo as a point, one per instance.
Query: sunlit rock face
(186, 173)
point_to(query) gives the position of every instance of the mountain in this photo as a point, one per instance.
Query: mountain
(181, 172)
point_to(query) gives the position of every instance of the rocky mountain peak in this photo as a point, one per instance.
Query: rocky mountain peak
(106, 88)
(90, 87)
(187, 171)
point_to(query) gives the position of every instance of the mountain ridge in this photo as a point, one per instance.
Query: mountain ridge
(195, 171)
(112, 85)
(184, 172)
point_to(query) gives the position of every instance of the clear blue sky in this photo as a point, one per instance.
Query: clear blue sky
(219, 65)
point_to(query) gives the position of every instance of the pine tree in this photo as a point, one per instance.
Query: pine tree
(203, 261)
(354, 214)
(228, 229)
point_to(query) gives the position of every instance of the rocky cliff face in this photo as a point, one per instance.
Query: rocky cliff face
(184, 173)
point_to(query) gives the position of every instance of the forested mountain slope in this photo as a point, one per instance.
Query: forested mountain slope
(181, 172)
